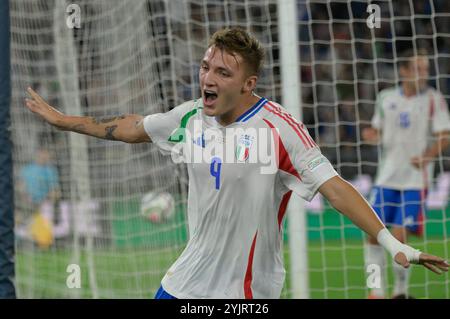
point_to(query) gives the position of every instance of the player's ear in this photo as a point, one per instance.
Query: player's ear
(249, 84)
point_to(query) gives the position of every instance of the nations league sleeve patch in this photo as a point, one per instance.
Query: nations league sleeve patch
(316, 163)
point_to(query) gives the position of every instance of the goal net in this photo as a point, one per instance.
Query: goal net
(143, 57)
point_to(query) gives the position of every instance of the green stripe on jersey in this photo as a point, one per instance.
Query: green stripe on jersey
(179, 134)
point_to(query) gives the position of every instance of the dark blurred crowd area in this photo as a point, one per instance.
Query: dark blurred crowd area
(344, 64)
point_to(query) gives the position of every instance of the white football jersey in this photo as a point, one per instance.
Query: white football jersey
(236, 204)
(407, 125)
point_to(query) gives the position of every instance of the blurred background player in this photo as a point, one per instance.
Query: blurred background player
(412, 123)
(39, 192)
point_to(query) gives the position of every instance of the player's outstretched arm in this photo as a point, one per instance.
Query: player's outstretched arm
(347, 200)
(127, 128)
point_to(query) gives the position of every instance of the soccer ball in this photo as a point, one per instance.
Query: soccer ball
(157, 207)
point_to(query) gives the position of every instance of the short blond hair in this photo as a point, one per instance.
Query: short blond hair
(237, 40)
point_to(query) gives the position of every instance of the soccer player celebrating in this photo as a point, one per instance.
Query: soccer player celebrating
(406, 118)
(235, 208)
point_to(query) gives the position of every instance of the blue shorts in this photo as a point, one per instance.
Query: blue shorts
(162, 294)
(399, 207)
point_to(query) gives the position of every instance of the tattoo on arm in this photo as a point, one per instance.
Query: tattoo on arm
(79, 128)
(109, 132)
(107, 119)
(138, 123)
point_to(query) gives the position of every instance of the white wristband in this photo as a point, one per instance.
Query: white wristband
(393, 246)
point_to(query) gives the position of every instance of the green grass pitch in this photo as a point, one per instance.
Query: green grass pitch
(140, 253)
(334, 273)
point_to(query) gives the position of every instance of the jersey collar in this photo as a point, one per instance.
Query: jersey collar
(252, 111)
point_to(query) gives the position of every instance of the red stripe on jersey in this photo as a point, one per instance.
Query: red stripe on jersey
(283, 206)
(431, 110)
(292, 122)
(284, 118)
(248, 274)
(302, 126)
(283, 161)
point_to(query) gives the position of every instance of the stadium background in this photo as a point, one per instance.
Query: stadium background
(142, 57)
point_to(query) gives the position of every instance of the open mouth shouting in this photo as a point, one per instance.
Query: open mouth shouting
(209, 97)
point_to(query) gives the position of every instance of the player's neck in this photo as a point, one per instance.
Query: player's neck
(242, 106)
(410, 89)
